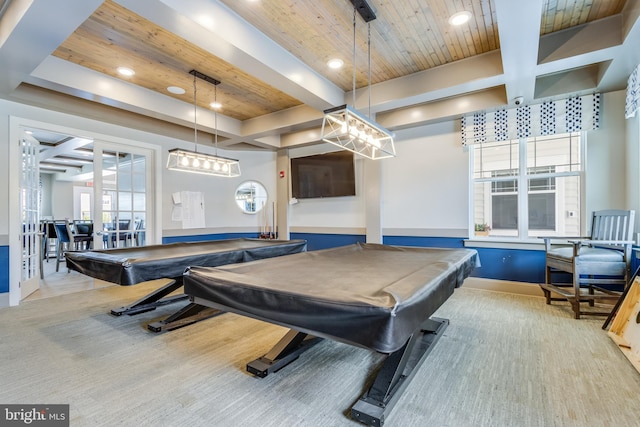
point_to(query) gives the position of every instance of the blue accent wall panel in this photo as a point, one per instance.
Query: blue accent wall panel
(316, 241)
(435, 242)
(511, 264)
(502, 264)
(4, 269)
(208, 237)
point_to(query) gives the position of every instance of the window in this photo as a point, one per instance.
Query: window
(552, 179)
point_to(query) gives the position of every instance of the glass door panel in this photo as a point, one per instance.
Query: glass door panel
(30, 207)
(125, 173)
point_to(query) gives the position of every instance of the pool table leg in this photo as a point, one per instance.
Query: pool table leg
(396, 373)
(284, 352)
(191, 313)
(154, 299)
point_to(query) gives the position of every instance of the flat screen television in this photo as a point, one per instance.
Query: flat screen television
(323, 175)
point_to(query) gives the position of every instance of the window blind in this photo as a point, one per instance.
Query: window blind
(548, 118)
(633, 94)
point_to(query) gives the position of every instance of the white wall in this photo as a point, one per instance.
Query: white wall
(606, 157)
(337, 213)
(632, 127)
(221, 210)
(62, 200)
(45, 202)
(427, 185)
(424, 188)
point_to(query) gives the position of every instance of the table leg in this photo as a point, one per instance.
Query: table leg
(155, 299)
(284, 352)
(189, 314)
(396, 373)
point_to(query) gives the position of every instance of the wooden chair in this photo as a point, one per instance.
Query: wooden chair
(597, 264)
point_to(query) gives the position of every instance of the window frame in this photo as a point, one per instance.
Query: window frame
(522, 183)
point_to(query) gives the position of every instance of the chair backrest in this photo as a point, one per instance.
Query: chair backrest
(84, 228)
(62, 232)
(613, 225)
(123, 224)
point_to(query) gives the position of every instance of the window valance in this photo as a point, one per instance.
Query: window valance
(548, 118)
(633, 94)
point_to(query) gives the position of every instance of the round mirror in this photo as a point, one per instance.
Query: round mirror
(251, 196)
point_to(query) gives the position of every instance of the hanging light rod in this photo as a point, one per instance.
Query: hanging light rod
(364, 10)
(347, 128)
(195, 162)
(204, 77)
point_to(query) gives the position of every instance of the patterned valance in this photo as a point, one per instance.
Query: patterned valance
(633, 94)
(549, 118)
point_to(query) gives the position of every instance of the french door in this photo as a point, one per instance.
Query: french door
(124, 190)
(29, 200)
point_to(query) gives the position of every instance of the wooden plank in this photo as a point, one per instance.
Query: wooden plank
(628, 306)
(115, 36)
(625, 329)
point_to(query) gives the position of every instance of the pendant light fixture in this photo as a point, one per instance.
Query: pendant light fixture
(344, 126)
(195, 162)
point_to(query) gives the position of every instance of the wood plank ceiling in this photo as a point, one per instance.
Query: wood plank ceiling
(408, 36)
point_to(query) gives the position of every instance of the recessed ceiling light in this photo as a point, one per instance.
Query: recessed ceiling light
(126, 71)
(335, 63)
(215, 105)
(460, 18)
(175, 89)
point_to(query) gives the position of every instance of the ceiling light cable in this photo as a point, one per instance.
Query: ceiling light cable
(354, 55)
(193, 161)
(195, 113)
(215, 116)
(369, 53)
(344, 126)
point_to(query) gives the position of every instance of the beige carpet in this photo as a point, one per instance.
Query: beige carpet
(505, 360)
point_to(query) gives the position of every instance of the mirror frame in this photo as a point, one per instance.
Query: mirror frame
(251, 185)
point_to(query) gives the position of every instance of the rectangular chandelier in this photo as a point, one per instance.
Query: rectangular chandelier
(346, 128)
(191, 161)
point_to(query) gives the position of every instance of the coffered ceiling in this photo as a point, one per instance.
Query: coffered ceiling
(271, 58)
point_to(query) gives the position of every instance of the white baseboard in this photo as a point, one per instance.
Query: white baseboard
(519, 288)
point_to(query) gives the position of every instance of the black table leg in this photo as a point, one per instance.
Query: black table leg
(396, 373)
(191, 313)
(284, 352)
(155, 299)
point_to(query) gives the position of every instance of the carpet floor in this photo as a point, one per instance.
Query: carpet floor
(505, 360)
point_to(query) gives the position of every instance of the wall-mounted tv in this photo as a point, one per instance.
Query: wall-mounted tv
(323, 175)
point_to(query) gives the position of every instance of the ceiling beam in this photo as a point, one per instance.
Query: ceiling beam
(519, 31)
(215, 28)
(22, 45)
(466, 75)
(64, 148)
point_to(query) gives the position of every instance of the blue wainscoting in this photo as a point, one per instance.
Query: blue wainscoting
(317, 241)
(502, 264)
(434, 242)
(4, 269)
(208, 237)
(516, 265)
